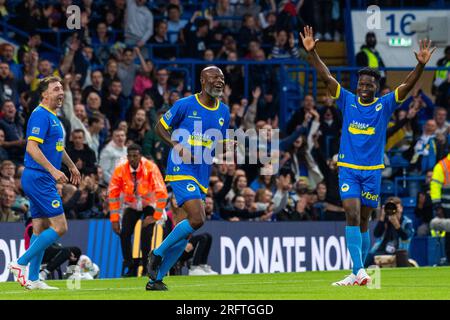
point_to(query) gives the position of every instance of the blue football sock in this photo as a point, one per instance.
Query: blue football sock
(35, 262)
(365, 246)
(171, 257)
(353, 239)
(42, 242)
(181, 231)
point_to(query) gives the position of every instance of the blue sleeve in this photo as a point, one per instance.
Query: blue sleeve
(37, 128)
(391, 101)
(341, 97)
(173, 117)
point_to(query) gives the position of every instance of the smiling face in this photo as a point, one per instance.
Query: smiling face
(9, 110)
(213, 81)
(367, 87)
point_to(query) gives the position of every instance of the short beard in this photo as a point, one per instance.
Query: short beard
(214, 94)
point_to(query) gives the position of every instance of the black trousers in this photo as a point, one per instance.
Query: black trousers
(129, 220)
(56, 255)
(200, 253)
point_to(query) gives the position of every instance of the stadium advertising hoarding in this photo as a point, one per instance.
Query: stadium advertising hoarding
(398, 32)
(243, 247)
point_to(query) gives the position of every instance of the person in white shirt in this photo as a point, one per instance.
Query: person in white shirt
(113, 152)
(440, 116)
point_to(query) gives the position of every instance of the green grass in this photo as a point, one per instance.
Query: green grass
(404, 283)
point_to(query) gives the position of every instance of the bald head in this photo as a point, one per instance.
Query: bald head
(212, 81)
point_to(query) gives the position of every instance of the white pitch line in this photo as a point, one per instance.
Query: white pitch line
(209, 284)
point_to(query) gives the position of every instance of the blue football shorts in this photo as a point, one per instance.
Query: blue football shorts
(40, 188)
(185, 190)
(362, 184)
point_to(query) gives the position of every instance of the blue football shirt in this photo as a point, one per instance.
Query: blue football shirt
(45, 128)
(199, 128)
(364, 129)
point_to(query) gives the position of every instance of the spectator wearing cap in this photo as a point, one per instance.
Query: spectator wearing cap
(368, 56)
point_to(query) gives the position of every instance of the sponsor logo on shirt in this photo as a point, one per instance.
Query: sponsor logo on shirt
(378, 107)
(190, 187)
(35, 130)
(361, 128)
(60, 145)
(221, 121)
(168, 115)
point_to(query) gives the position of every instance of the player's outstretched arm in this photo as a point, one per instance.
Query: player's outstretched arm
(423, 56)
(310, 46)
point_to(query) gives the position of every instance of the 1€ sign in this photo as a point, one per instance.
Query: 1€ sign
(73, 17)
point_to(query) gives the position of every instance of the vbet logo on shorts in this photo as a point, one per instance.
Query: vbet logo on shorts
(190, 187)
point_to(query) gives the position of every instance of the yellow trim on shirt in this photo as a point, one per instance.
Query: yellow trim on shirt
(396, 96)
(354, 166)
(164, 123)
(48, 109)
(36, 139)
(170, 177)
(367, 104)
(206, 107)
(338, 92)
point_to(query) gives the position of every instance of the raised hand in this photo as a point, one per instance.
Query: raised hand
(308, 39)
(424, 54)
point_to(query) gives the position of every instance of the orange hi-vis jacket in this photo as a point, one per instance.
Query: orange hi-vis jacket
(150, 191)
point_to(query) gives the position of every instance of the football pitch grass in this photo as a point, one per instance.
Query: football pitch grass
(401, 283)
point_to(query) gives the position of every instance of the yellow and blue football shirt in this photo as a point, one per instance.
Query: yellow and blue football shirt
(37, 183)
(364, 129)
(198, 128)
(45, 128)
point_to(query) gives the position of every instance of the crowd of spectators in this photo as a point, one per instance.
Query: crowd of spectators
(116, 88)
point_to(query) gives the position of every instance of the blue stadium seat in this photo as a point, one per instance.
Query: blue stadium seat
(397, 161)
(409, 202)
(387, 187)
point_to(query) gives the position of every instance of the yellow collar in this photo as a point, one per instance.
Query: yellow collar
(367, 104)
(206, 107)
(48, 109)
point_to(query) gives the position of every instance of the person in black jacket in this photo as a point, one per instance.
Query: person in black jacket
(82, 155)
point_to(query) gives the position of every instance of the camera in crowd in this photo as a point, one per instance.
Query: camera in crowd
(390, 208)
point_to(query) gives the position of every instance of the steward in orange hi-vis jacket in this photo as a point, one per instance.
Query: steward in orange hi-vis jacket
(136, 187)
(150, 190)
